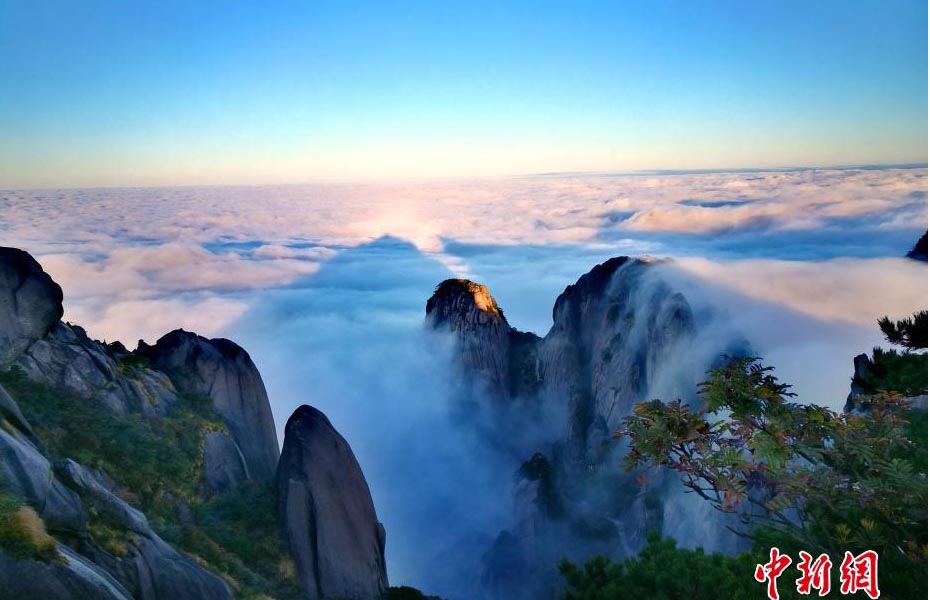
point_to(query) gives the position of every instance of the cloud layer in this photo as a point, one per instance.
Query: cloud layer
(800, 263)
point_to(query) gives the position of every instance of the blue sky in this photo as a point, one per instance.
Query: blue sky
(158, 93)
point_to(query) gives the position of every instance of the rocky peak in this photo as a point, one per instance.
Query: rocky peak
(462, 302)
(470, 313)
(327, 515)
(223, 372)
(30, 303)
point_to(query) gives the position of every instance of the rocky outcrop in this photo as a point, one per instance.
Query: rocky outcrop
(223, 464)
(73, 501)
(919, 251)
(326, 512)
(71, 577)
(222, 371)
(151, 569)
(490, 351)
(620, 335)
(612, 335)
(30, 303)
(67, 358)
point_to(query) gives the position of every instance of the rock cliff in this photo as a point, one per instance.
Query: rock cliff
(223, 372)
(93, 437)
(327, 515)
(621, 334)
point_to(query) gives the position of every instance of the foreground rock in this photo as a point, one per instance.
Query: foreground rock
(30, 303)
(222, 371)
(73, 501)
(71, 577)
(327, 515)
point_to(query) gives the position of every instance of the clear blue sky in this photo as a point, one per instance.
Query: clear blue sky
(148, 93)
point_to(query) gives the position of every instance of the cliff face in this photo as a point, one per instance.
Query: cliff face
(618, 336)
(222, 371)
(327, 515)
(93, 437)
(30, 303)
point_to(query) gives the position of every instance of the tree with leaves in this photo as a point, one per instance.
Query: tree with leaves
(800, 476)
(910, 332)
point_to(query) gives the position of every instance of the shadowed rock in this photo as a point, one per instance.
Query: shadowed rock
(327, 516)
(30, 303)
(223, 372)
(73, 577)
(919, 251)
(619, 333)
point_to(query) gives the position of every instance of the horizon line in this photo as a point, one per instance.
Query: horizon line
(337, 181)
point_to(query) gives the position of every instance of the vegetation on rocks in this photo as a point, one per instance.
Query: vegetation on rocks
(22, 532)
(157, 465)
(800, 477)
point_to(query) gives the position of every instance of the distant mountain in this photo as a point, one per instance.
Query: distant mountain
(619, 335)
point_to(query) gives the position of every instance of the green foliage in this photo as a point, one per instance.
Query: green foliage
(22, 532)
(158, 466)
(239, 531)
(407, 593)
(132, 361)
(807, 477)
(147, 456)
(890, 371)
(663, 572)
(910, 332)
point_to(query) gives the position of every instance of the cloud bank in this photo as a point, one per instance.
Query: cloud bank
(800, 263)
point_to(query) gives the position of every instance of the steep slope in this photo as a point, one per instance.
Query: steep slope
(327, 514)
(620, 335)
(222, 371)
(92, 435)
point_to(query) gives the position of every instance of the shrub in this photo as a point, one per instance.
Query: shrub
(22, 531)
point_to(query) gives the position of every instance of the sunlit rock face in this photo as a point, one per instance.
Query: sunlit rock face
(327, 516)
(490, 351)
(620, 335)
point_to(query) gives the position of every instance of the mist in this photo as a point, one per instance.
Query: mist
(325, 286)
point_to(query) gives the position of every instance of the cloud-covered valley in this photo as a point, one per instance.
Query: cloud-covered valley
(325, 286)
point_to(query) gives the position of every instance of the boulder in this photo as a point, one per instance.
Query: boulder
(327, 516)
(223, 464)
(30, 303)
(67, 358)
(28, 474)
(152, 569)
(222, 371)
(72, 577)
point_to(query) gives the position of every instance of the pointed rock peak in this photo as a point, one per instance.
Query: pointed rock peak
(307, 417)
(326, 512)
(460, 301)
(30, 302)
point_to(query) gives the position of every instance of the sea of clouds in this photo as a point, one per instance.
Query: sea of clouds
(325, 286)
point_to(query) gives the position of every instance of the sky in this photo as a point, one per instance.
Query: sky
(174, 93)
